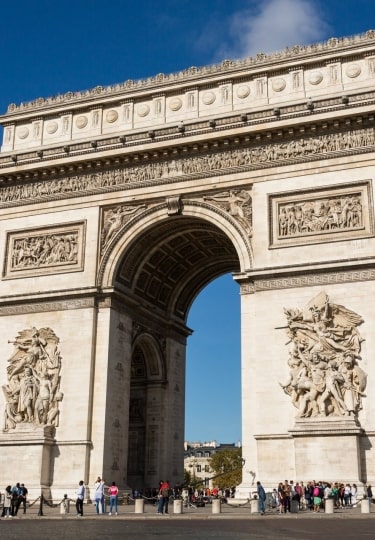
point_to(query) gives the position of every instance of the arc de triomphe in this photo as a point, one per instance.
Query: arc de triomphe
(119, 204)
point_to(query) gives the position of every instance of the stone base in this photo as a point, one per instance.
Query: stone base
(31, 453)
(327, 449)
(337, 425)
(237, 501)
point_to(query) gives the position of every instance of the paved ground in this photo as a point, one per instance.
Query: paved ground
(194, 523)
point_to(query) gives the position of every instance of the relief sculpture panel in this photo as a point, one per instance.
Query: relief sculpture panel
(326, 215)
(325, 377)
(32, 393)
(44, 251)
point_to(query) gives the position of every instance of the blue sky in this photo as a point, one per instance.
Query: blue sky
(50, 48)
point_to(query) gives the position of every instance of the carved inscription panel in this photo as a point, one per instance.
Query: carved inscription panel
(44, 251)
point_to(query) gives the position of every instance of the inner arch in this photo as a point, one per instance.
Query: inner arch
(169, 263)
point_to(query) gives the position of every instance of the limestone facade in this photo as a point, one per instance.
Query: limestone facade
(118, 205)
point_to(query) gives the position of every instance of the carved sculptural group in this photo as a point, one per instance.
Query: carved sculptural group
(306, 217)
(325, 378)
(33, 391)
(44, 250)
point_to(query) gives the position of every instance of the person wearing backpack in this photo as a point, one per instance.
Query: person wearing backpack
(317, 498)
(164, 493)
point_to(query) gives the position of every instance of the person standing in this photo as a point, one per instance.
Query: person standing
(261, 498)
(164, 493)
(80, 492)
(7, 502)
(113, 497)
(99, 494)
(15, 497)
(22, 498)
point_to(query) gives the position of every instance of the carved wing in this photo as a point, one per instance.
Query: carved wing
(244, 195)
(361, 376)
(48, 335)
(344, 317)
(23, 338)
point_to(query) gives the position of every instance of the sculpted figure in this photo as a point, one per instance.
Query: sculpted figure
(325, 378)
(238, 204)
(313, 384)
(27, 397)
(114, 219)
(44, 398)
(353, 383)
(32, 394)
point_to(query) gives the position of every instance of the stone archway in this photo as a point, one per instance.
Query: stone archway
(159, 271)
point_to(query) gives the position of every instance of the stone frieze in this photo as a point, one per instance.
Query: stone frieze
(178, 169)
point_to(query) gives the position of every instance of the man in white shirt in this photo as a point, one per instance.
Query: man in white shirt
(99, 494)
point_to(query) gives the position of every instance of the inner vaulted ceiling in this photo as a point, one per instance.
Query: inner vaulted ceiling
(171, 262)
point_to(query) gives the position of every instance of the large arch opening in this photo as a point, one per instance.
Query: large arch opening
(213, 365)
(160, 273)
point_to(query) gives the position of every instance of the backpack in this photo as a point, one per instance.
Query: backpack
(165, 492)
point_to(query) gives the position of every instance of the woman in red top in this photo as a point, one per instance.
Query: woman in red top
(113, 494)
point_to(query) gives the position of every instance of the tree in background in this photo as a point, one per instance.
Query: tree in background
(188, 478)
(227, 466)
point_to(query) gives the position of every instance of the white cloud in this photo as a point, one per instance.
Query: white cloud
(273, 25)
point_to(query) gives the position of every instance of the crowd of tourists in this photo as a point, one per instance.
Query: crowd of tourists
(14, 497)
(313, 495)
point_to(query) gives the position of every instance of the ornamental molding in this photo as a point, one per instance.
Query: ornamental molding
(40, 307)
(244, 156)
(226, 69)
(310, 280)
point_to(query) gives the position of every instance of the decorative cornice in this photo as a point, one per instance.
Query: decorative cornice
(229, 156)
(307, 280)
(172, 135)
(225, 69)
(40, 307)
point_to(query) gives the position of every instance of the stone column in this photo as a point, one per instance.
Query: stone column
(110, 409)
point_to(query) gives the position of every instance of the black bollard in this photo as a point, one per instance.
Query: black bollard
(40, 513)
